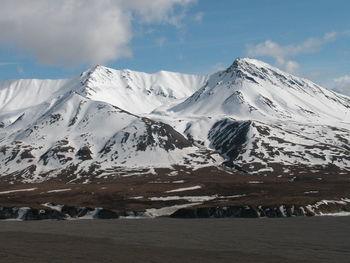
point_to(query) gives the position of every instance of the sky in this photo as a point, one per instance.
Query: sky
(62, 38)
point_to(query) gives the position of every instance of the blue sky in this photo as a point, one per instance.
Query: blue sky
(309, 38)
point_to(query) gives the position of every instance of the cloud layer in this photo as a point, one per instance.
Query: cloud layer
(71, 33)
(342, 84)
(282, 54)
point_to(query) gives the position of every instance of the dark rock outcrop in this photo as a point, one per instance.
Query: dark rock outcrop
(244, 212)
(27, 213)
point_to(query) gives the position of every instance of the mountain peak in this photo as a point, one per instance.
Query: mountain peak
(95, 74)
(137, 92)
(252, 89)
(249, 64)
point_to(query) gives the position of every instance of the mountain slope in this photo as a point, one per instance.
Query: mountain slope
(259, 117)
(138, 92)
(75, 135)
(109, 122)
(281, 148)
(250, 89)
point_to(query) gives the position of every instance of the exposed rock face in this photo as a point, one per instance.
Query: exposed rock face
(228, 137)
(26, 213)
(255, 147)
(241, 212)
(87, 212)
(322, 207)
(61, 213)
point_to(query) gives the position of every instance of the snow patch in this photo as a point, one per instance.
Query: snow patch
(166, 211)
(59, 190)
(54, 207)
(19, 190)
(184, 189)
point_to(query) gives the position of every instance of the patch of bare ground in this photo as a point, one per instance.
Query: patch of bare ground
(136, 192)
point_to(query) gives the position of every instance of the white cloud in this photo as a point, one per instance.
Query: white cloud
(218, 67)
(291, 66)
(342, 84)
(70, 33)
(282, 54)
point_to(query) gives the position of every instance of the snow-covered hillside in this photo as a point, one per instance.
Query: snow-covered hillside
(251, 89)
(255, 113)
(76, 126)
(83, 136)
(260, 119)
(138, 92)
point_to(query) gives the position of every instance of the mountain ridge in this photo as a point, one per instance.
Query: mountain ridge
(257, 117)
(250, 89)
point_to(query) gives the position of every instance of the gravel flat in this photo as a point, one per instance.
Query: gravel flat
(316, 239)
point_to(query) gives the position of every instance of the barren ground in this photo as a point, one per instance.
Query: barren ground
(302, 239)
(119, 194)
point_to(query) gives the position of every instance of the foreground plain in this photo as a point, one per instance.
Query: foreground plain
(316, 239)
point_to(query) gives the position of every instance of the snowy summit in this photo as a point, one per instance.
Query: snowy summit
(251, 117)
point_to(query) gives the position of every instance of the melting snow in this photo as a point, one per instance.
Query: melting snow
(136, 197)
(166, 211)
(178, 182)
(19, 190)
(91, 214)
(337, 214)
(311, 192)
(193, 198)
(53, 207)
(184, 189)
(22, 213)
(187, 198)
(59, 190)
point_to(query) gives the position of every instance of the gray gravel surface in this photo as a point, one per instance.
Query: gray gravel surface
(316, 239)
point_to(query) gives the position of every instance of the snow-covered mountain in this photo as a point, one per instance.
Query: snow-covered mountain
(77, 126)
(251, 89)
(106, 121)
(136, 92)
(259, 117)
